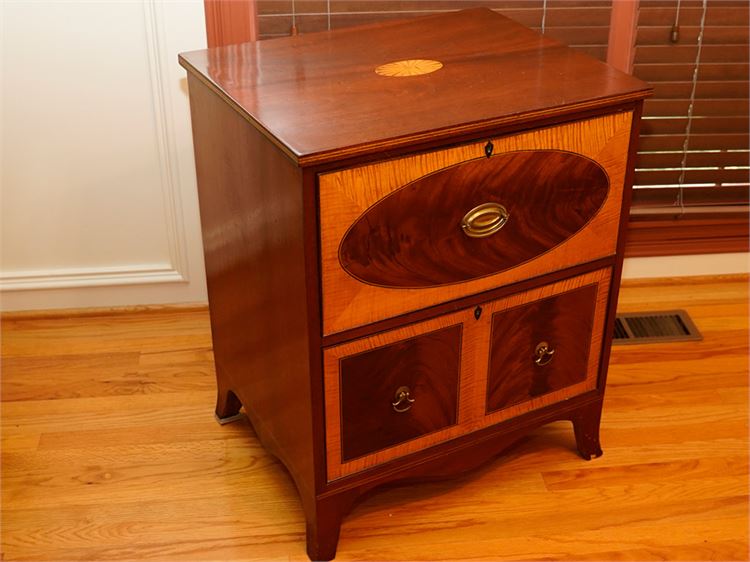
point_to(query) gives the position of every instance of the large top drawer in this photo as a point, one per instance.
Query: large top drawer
(403, 234)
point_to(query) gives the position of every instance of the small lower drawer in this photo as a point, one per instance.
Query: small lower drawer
(540, 347)
(400, 391)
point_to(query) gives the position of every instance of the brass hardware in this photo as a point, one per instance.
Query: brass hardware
(478, 312)
(484, 220)
(402, 400)
(543, 354)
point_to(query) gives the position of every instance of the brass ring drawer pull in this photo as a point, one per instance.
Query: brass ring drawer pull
(402, 400)
(484, 220)
(543, 354)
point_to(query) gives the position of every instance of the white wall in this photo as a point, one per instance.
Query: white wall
(99, 204)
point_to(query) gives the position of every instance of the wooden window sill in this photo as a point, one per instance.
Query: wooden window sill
(710, 233)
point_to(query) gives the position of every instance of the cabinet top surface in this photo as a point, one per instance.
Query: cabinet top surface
(330, 95)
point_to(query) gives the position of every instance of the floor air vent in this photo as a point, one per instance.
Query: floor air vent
(655, 327)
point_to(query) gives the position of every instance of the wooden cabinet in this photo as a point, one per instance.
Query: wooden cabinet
(411, 263)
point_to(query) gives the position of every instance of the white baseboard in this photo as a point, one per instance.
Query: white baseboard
(89, 277)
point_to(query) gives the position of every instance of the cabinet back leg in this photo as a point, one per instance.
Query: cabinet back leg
(586, 421)
(227, 406)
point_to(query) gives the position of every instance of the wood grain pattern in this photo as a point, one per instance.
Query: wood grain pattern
(564, 322)
(347, 194)
(85, 470)
(414, 238)
(473, 383)
(284, 86)
(428, 365)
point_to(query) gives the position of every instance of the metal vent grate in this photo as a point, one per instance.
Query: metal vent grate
(654, 327)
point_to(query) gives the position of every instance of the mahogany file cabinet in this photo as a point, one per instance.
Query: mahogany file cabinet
(413, 235)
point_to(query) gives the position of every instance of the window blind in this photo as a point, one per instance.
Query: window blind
(582, 24)
(694, 135)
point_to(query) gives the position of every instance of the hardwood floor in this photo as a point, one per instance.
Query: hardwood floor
(110, 452)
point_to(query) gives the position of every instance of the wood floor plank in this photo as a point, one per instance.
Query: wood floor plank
(168, 331)
(110, 453)
(73, 376)
(201, 431)
(732, 343)
(664, 377)
(688, 469)
(109, 411)
(703, 549)
(91, 483)
(570, 533)
(106, 374)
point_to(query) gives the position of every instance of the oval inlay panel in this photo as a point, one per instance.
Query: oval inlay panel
(414, 237)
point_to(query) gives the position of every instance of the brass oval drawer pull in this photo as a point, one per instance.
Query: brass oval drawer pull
(402, 400)
(484, 220)
(543, 354)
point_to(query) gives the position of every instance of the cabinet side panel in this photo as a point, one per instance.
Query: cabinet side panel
(252, 219)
